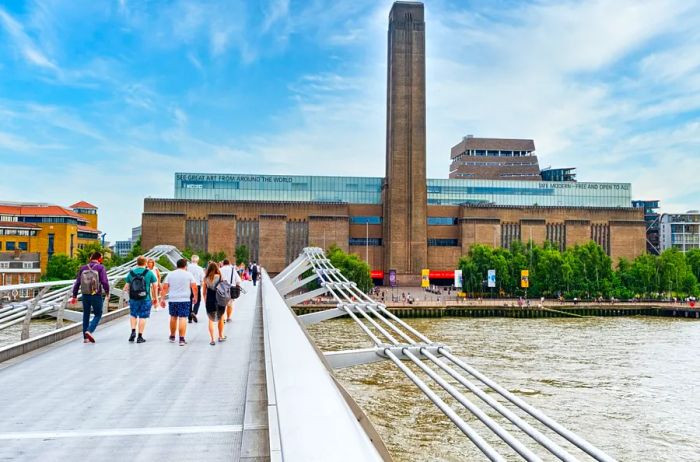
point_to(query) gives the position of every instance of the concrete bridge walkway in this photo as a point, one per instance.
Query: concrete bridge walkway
(115, 400)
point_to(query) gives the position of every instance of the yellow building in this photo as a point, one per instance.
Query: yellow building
(47, 229)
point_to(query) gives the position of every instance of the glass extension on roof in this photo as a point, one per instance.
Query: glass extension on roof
(278, 188)
(367, 190)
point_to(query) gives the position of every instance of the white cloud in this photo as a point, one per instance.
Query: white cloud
(25, 45)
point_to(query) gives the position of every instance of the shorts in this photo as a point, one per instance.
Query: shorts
(180, 309)
(140, 308)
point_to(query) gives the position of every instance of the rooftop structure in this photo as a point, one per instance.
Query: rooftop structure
(494, 159)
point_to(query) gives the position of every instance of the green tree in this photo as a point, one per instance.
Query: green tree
(351, 266)
(165, 263)
(61, 268)
(242, 254)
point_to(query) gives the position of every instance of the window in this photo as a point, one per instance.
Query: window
(443, 242)
(22, 246)
(50, 245)
(372, 241)
(0, 245)
(4, 265)
(442, 221)
(27, 265)
(9, 245)
(361, 220)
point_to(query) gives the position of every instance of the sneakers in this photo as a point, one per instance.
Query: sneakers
(132, 337)
(182, 341)
(90, 338)
(140, 340)
(172, 339)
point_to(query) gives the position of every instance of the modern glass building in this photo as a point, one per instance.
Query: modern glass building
(367, 190)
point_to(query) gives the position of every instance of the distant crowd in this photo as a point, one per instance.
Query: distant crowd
(182, 291)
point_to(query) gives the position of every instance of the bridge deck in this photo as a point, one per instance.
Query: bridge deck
(116, 400)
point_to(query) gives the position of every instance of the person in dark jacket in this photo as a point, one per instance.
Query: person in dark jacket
(93, 301)
(254, 273)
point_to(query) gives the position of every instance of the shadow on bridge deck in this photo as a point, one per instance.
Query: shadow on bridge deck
(116, 400)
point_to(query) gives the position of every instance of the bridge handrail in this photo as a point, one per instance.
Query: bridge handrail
(13, 313)
(305, 399)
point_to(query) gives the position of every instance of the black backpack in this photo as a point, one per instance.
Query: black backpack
(137, 286)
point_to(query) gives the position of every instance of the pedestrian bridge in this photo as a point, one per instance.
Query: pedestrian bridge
(267, 393)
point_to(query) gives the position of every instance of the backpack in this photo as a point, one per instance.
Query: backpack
(223, 292)
(137, 286)
(89, 281)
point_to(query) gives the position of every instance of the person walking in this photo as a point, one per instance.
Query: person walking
(93, 284)
(215, 311)
(254, 273)
(141, 284)
(179, 286)
(198, 273)
(151, 265)
(229, 273)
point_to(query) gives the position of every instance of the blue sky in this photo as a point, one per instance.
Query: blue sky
(104, 100)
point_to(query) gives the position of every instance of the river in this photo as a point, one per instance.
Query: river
(630, 386)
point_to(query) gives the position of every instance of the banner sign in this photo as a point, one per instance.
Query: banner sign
(492, 278)
(392, 278)
(524, 279)
(458, 278)
(425, 278)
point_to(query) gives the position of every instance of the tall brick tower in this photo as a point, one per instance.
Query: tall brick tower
(405, 197)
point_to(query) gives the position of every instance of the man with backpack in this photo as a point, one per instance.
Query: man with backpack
(93, 284)
(230, 275)
(140, 285)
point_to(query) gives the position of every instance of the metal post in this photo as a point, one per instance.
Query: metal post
(61, 309)
(30, 311)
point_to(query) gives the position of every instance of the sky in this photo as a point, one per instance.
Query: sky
(104, 100)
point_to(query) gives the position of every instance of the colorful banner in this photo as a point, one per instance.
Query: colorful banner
(524, 279)
(492, 278)
(458, 278)
(425, 278)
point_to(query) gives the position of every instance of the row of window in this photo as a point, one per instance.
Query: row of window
(481, 152)
(443, 242)
(24, 265)
(18, 232)
(363, 220)
(69, 220)
(86, 235)
(501, 164)
(372, 241)
(375, 220)
(375, 242)
(11, 245)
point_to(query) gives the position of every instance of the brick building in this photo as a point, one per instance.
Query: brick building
(401, 223)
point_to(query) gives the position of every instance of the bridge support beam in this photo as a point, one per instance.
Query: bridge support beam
(295, 300)
(314, 318)
(349, 358)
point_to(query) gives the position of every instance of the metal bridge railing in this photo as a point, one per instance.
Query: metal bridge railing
(54, 295)
(398, 342)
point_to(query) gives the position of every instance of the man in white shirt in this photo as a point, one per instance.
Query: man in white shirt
(179, 285)
(229, 273)
(198, 273)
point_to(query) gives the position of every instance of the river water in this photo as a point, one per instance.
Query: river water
(630, 386)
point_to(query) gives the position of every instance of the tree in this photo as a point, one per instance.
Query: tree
(242, 254)
(165, 263)
(61, 268)
(351, 266)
